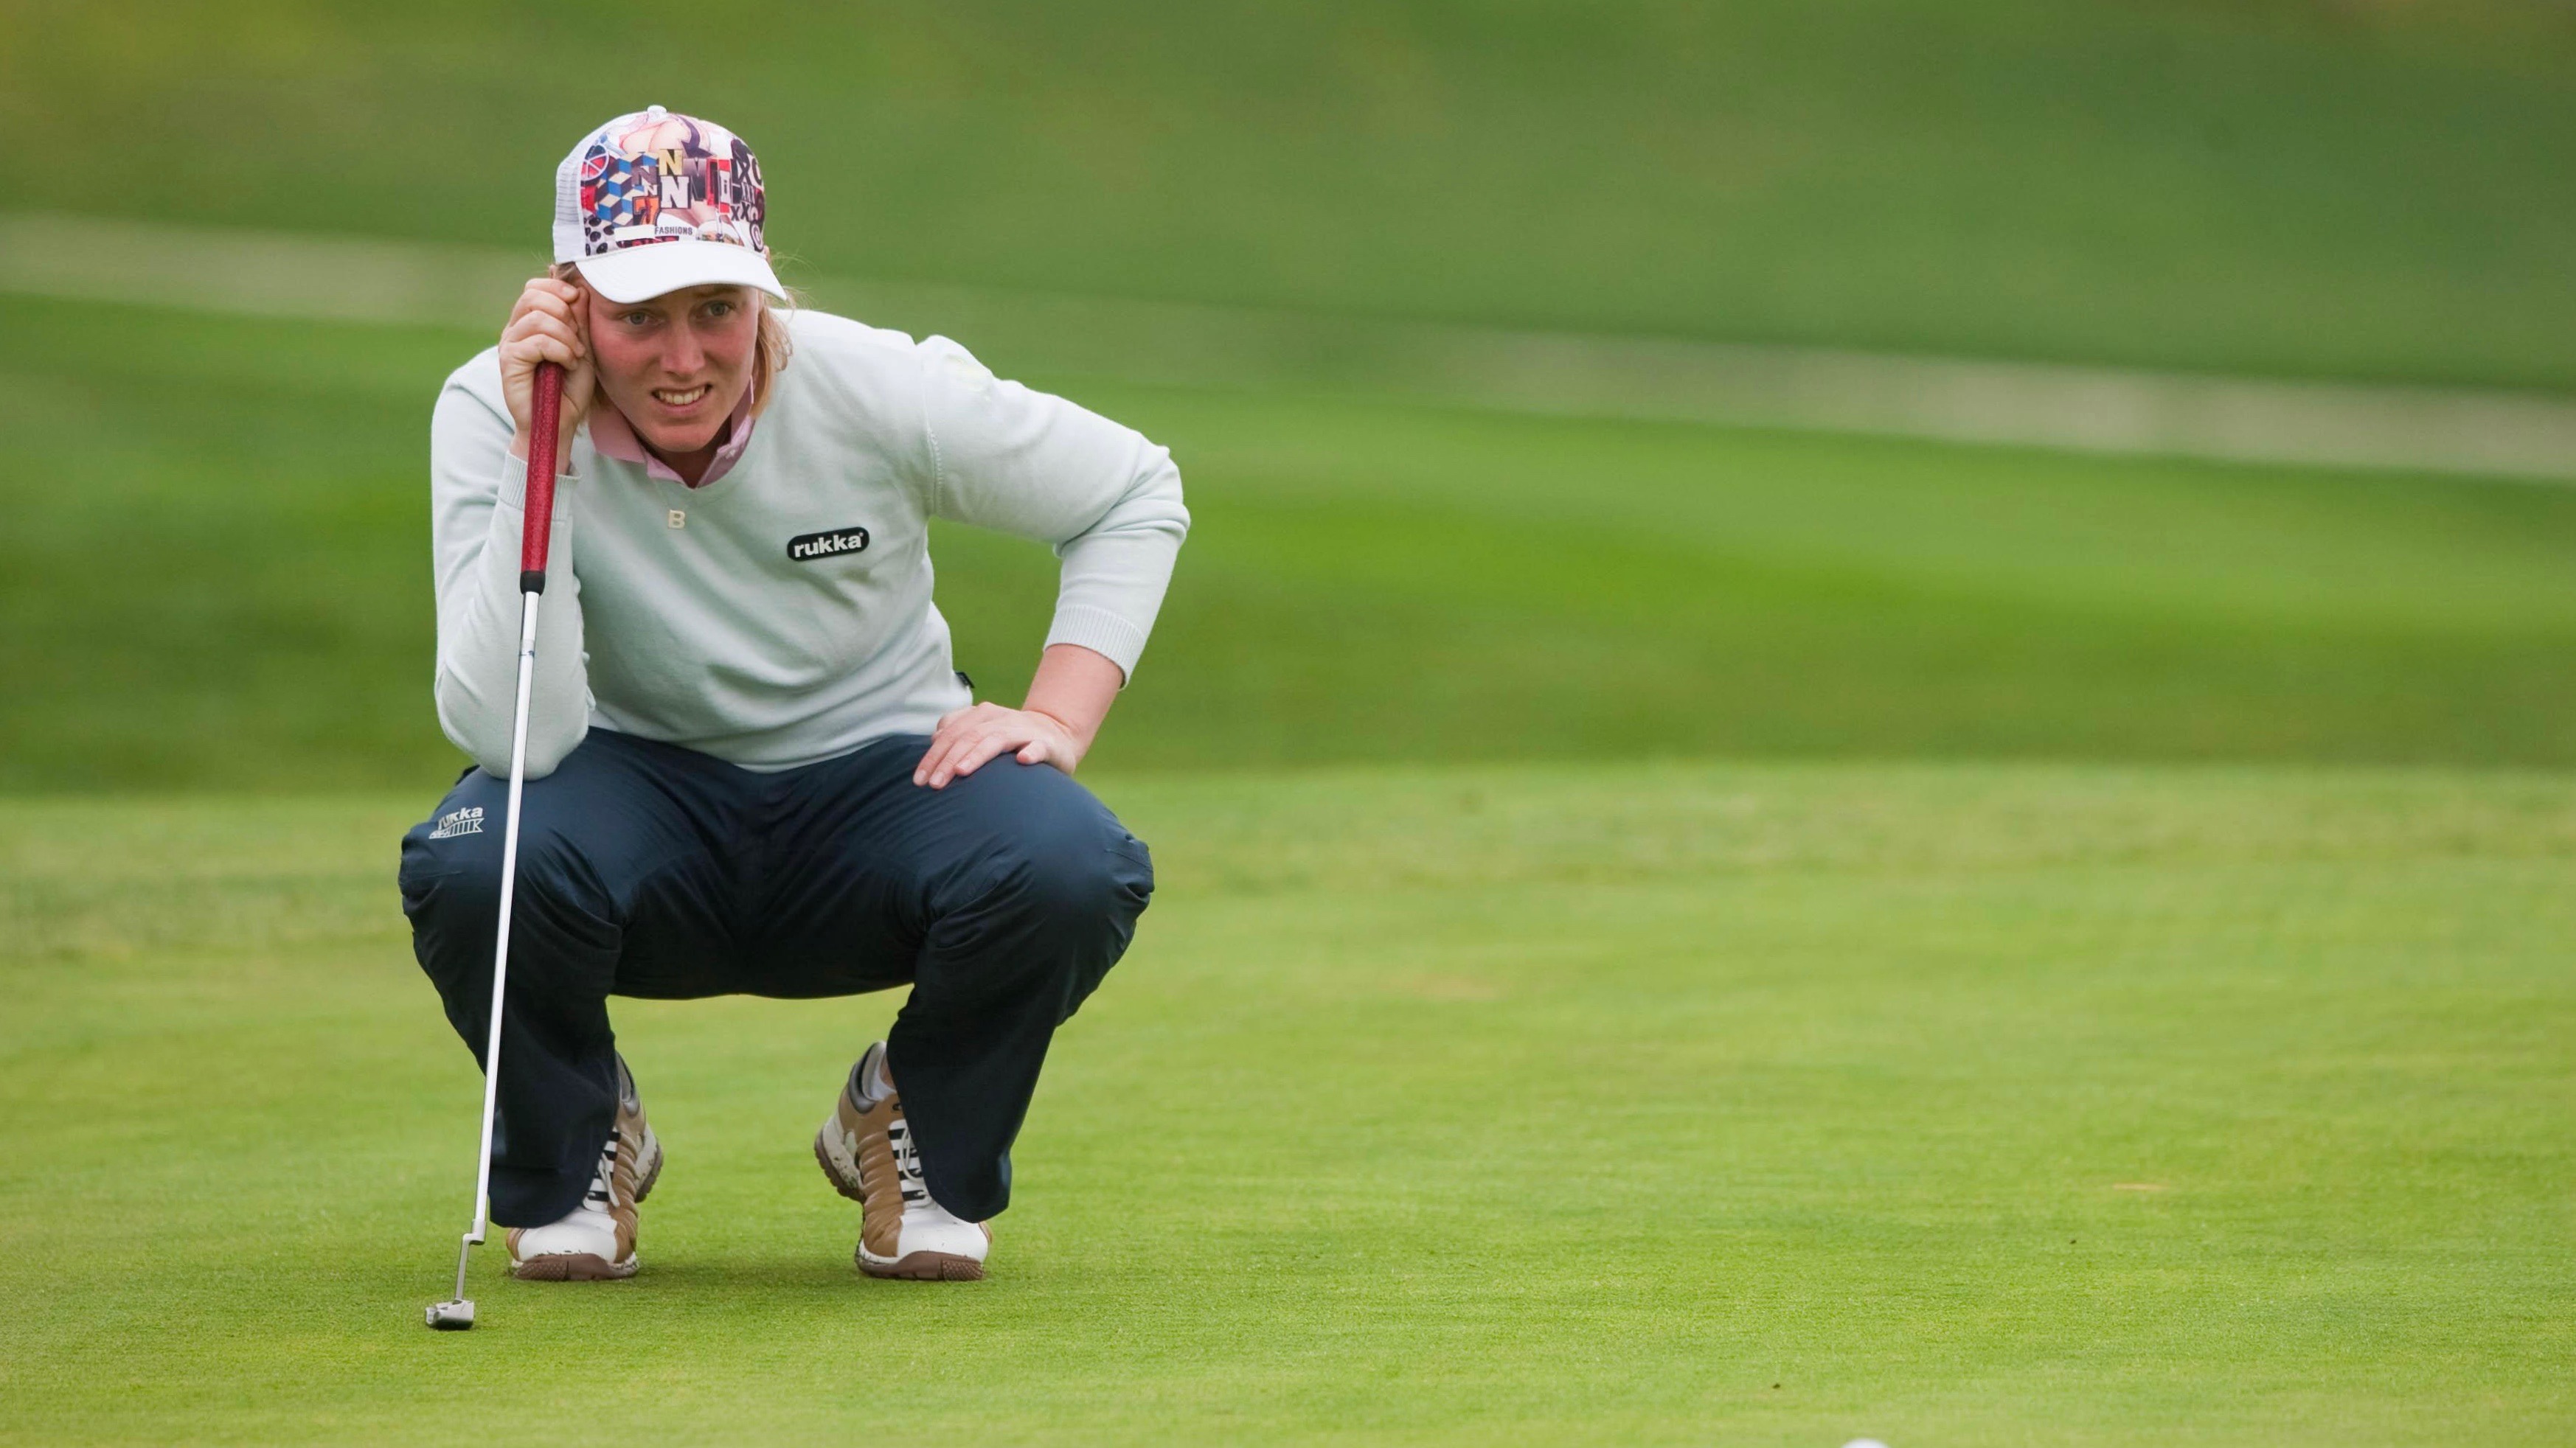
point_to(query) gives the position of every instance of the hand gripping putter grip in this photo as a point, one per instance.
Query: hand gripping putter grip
(536, 536)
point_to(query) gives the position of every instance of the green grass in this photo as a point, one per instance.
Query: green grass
(218, 577)
(2304, 186)
(2179, 1048)
(1616, 1104)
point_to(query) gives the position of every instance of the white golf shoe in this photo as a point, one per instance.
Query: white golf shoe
(866, 1148)
(596, 1240)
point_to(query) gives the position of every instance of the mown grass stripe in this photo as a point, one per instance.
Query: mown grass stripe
(2089, 409)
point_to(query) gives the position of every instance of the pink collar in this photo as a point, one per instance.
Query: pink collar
(614, 437)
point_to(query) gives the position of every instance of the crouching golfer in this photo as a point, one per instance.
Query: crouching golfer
(753, 768)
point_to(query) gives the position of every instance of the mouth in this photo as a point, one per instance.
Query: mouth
(680, 399)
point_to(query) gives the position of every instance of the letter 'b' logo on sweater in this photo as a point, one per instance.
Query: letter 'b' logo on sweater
(806, 547)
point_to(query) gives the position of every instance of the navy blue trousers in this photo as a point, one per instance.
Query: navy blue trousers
(655, 871)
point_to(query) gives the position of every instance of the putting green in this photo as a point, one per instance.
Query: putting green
(1634, 1104)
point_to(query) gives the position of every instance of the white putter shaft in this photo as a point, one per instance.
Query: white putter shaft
(500, 952)
(536, 538)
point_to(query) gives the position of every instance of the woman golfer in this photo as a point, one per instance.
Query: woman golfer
(752, 766)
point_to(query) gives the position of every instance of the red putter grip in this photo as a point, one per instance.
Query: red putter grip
(536, 535)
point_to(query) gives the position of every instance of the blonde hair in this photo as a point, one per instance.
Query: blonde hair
(770, 350)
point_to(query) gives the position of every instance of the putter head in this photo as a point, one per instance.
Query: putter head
(454, 1316)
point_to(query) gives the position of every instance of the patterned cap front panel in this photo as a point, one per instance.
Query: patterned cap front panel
(653, 177)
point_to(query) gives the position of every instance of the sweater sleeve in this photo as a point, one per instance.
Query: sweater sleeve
(476, 494)
(1021, 461)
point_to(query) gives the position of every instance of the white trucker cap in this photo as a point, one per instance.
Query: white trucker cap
(653, 202)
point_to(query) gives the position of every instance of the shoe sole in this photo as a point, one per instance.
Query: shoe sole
(917, 1267)
(921, 1267)
(590, 1266)
(574, 1267)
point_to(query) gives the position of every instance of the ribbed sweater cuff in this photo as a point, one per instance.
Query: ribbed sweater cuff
(1100, 631)
(514, 485)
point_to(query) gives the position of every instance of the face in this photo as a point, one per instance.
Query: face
(676, 365)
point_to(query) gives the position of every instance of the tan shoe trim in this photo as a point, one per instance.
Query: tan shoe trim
(627, 1177)
(868, 1137)
(869, 1134)
(630, 1180)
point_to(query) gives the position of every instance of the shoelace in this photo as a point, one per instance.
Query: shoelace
(596, 1199)
(907, 1163)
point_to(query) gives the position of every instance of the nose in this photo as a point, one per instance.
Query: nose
(682, 353)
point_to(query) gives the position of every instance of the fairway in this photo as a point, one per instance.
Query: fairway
(2303, 187)
(226, 585)
(1624, 1104)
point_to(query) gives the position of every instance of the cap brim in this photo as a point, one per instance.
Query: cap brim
(640, 273)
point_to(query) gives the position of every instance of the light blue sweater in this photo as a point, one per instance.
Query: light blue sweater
(747, 618)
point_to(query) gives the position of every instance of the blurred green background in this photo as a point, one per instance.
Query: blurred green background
(223, 581)
(2338, 187)
(1668, 933)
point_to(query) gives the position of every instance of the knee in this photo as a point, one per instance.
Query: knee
(1050, 918)
(1090, 876)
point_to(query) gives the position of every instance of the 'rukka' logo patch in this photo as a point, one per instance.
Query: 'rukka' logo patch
(459, 822)
(806, 547)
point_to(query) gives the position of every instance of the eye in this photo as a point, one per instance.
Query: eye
(722, 308)
(636, 318)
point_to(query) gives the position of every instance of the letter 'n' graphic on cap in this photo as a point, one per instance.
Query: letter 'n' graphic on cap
(653, 202)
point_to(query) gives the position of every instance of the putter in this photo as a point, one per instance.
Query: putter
(535, 537)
